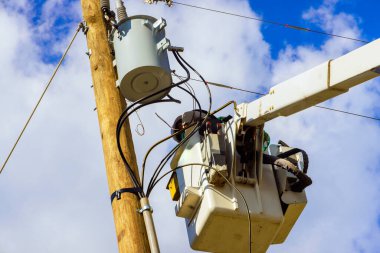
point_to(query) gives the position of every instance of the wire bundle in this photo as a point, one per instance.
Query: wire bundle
(134, 107)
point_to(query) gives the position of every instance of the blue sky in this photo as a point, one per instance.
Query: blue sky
(288, 12)
(61, 151)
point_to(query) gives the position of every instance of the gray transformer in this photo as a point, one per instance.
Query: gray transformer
(141, 58)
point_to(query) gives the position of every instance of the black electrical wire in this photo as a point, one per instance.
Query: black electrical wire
(135, 181)
(124, 116)
(298, 28)
(190, 88)
(158, 170)
(204, 81)
(166, 138)
(213, 113)
(126, 163)
(163, 161)
(171, 153)
(195, 100)
(158, 143)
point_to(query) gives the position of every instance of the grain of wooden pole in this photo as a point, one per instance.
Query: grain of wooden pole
(130, 229)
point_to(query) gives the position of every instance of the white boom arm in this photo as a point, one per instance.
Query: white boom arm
(314, 86)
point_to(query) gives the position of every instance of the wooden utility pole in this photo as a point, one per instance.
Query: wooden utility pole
(130, 229)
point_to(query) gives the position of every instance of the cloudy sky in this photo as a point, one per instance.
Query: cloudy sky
(53, 193)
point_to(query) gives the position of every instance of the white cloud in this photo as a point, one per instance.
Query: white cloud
(54, 193)
(343, 206)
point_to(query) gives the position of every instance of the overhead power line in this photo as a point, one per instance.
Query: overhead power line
(349, 113)
(80, 26)
(262, 94)
(299, 28)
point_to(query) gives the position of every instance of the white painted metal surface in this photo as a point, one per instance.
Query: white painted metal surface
(314, 86)
(216, 216)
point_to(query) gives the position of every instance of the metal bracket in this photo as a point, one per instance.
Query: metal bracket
(89, 53)
(145, 208)
(176, 49)
(84, 27)
(163, 45)
(147, 24)
(117, 194)
(159, 25)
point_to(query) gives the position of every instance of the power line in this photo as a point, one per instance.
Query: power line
(80, 26)
(299, 28)
(349, 113)
(262, 94)
(233, 88)
(225, 86)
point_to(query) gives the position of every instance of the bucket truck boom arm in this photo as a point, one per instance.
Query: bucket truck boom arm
(314, 86)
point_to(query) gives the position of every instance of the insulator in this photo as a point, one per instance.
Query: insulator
(121, 11)
(105, 5)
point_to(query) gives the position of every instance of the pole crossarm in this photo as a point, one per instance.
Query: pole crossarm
(325, 81)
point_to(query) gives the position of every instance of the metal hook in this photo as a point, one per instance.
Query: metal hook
(140, 126)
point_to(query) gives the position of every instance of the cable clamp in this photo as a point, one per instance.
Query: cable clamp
(176, 49)
(84, 27)
(145, 208)
(117, 194)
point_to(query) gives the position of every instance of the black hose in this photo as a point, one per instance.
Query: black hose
(295, 151)
(303, 179)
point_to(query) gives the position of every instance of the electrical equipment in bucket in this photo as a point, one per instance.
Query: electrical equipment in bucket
(141, 57)
(271, 179)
